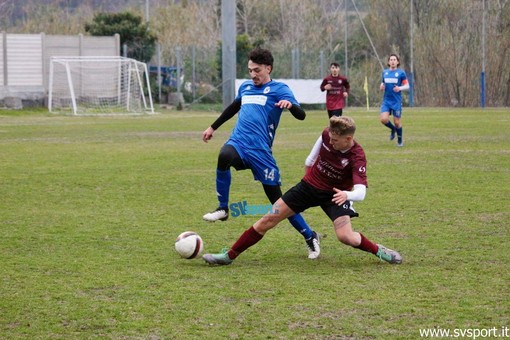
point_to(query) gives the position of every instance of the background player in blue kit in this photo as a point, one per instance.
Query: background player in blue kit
(260, 102)
(394, 81)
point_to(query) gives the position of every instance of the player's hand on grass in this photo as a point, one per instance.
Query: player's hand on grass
(339, 197)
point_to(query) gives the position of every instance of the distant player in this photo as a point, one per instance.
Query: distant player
(394, 81)
(337, 88)
(260, 102)
(335, 178)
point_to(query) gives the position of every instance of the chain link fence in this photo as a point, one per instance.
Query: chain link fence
(200, 73)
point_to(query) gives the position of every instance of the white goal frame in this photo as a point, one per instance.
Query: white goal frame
(98, 85)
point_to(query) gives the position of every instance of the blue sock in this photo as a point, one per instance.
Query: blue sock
(399, 134)
(390, 126)
(299, 223)
(223, 179)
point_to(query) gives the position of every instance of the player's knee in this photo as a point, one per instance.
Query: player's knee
(225, 153)
(267, 222)
(225, 159)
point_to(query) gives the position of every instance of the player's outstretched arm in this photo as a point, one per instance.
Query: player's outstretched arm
(228, 113)
(298, 112)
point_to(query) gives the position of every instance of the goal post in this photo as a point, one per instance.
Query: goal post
(99, 85)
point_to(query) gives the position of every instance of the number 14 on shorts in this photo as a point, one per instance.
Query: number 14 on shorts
(269, 174)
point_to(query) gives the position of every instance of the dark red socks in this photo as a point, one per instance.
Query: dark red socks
(245, 241)
(367, 245)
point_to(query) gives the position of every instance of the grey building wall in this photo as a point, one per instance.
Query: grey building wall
(25, 60)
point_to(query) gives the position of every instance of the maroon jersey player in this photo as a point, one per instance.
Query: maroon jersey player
(335, 178)
(337, 87)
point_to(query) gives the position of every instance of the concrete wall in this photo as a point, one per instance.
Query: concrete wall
(25, 60)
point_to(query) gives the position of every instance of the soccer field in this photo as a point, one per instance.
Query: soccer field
(91, 207)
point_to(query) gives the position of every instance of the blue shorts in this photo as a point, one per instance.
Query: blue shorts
(261, 163)
(395, 110)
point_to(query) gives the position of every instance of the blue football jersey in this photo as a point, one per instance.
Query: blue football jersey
(259, 117)
(392, 78)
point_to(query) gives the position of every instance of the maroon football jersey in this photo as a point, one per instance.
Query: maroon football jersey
(336, 169)
(335, 97)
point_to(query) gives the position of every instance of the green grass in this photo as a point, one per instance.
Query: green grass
(91, 206)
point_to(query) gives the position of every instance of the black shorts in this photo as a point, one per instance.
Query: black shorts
(337, 112)
(303, 196)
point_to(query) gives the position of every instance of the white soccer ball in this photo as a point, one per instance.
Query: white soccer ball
(189, 245)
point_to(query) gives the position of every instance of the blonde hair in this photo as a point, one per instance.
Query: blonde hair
(342, 125)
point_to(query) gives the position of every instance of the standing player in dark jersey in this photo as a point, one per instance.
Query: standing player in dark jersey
(335, 178)
(337, 88)
(394, 81)
(260, 102)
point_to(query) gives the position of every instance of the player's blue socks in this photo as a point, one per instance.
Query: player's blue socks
(299, 223)
(223, 180)
(399, 135)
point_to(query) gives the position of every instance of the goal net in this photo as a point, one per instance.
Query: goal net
(99, 85)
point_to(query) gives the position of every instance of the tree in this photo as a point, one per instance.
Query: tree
(141, 42)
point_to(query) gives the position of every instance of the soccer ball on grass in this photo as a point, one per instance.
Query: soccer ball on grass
(189, 245)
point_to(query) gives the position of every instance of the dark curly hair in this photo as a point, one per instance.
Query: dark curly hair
(261, 56)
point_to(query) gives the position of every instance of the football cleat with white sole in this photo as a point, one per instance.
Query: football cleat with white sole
(220, 259)
(388, 255)
(313, 246)
(220, 214)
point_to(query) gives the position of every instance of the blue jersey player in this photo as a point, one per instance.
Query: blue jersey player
(394, 81)
(259, 104)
